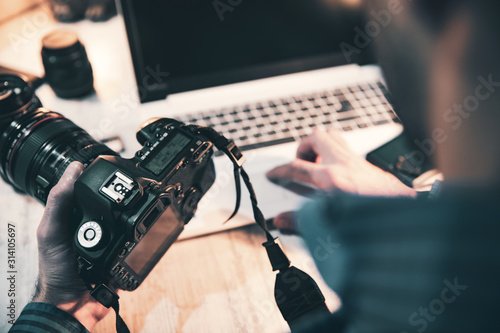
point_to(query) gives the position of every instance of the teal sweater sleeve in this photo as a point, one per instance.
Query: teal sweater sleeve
(46, 318)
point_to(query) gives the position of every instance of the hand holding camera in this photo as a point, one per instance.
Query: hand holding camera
(59, 283)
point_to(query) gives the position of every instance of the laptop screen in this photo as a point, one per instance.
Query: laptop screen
(192, 44)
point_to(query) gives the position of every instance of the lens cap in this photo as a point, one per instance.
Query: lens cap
(60, 41)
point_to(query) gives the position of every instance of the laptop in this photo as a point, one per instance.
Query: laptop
(264, 74)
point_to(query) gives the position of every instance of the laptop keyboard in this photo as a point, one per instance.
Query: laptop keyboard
(289, 119)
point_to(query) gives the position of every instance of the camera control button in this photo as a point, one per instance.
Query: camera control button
(130, 283)
(115, 269)
(89, 234)
(190, 203)
(123, 252)
(134, 285)
(178, 191)
(139, 153)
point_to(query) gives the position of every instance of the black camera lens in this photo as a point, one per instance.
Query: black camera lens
(16, 98)
(67, 68)
(37, 145)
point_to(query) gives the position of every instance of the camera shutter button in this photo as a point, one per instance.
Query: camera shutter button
(89, 234)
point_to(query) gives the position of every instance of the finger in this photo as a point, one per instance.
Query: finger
(59, 202)
(306, 150)
(317, 144)
(285, 222)
(323, 147)
(297, 170)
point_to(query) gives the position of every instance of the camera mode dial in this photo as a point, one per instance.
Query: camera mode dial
(89, 234)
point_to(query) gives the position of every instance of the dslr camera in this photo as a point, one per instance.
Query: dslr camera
(128, 212)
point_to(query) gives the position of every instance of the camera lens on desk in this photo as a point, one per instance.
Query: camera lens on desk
(67, 68)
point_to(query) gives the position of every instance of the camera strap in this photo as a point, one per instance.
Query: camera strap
(108, 298)
(295, 300)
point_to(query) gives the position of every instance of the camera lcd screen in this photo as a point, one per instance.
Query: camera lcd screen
(160, 159)
(154, 244)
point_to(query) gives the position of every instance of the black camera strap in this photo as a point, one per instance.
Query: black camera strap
(295, 301)
(108, 298)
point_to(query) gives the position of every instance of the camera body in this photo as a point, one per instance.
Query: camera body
(130, 211)
(127, 211)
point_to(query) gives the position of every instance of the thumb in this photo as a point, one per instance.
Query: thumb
(59, 203)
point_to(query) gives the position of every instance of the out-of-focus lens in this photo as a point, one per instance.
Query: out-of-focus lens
(16, 97)
(67, 68)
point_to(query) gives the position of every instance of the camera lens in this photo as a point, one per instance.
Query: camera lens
(67, 68)
(36, 146)
(16, 98)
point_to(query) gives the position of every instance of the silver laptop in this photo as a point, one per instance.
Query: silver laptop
(261, 74)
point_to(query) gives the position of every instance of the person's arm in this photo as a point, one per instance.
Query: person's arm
(325, 161)
(46, 318)
(59, 287)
